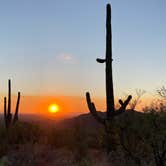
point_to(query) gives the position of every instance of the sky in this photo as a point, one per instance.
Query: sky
(49, 47)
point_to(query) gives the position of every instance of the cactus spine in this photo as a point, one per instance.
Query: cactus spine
(7, 110)
(110, 109)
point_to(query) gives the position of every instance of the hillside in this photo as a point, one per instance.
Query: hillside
(82, 140)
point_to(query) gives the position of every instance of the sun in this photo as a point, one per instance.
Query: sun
(53, 108)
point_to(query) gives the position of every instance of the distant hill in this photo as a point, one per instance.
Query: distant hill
(88, 121)
(84, 120)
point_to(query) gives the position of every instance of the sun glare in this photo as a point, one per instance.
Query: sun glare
(53, 108)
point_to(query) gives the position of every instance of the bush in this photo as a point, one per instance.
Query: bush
(20, 133)
(74, 139)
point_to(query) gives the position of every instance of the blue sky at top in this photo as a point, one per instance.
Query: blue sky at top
(49, 47)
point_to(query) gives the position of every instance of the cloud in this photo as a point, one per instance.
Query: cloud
(66, 58)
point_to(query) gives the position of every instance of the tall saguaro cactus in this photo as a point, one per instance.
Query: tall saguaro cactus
(7, 110)
(110, 109)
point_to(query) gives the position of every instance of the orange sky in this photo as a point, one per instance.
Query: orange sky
(69, 105)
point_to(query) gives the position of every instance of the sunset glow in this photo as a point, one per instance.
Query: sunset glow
(53, 108)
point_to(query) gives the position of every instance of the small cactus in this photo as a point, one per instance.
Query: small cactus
(7, 110)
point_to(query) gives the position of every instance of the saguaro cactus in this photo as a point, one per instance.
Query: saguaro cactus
(7, 111)
(110, 110)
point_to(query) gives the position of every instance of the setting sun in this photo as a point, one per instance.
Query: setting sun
(53, 108)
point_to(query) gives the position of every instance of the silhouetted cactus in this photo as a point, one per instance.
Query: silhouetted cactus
(7, 111)
(110, 110)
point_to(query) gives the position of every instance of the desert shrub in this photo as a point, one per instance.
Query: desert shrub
(3, 141)
(155, 135)
(60, 137)
(133, 145)
(74, 139)
(24, 133)
(128, 137)
(79, 143)
(3, 134)
(3, 149)
(82, 162)
(143, 136)
(157, 105)
(20, 133)
(95, 138)
(110, 138)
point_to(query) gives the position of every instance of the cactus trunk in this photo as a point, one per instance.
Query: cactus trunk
(7, 110)
(9, 115)
(109, 79)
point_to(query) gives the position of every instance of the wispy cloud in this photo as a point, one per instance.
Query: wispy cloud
(66, 58)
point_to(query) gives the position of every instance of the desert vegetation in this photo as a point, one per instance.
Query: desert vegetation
(110, 108)
(137, 138)
(118, 137)
(9, 119)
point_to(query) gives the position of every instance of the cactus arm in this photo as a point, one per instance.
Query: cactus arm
(121, 102)
(123, 105)
(17, 107)
(126, 102)
(92, 109)
(101, 60)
